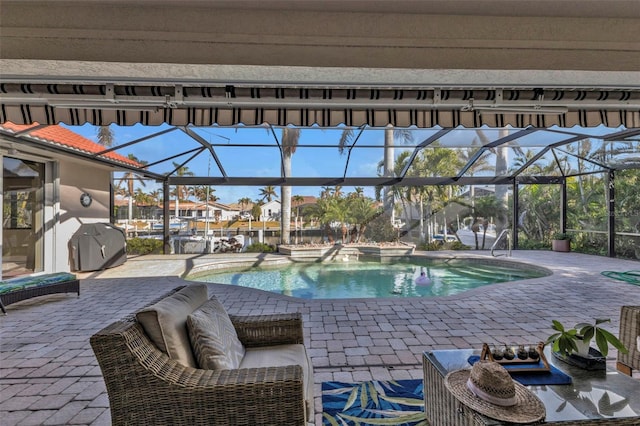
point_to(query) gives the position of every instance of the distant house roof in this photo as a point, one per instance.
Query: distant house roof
(306, 199)
(57, 135)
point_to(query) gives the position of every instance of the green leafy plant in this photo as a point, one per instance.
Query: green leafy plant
(144, 246)
(260, 248)
(561, 236)
(564, 341)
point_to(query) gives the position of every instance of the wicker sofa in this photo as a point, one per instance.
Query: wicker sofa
(629, 336)
(147, 386)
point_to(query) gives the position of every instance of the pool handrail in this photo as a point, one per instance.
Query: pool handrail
(495, 243)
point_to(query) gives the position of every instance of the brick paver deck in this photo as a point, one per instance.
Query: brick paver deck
(49, 375)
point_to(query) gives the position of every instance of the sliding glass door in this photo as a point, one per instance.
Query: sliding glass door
(22, 217)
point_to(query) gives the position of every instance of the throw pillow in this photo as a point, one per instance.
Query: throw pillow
(166, 322)
(214, 339)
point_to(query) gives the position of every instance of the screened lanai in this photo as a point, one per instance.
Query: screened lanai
(440, 180)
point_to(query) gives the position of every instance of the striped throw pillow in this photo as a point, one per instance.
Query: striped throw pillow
(213, 338)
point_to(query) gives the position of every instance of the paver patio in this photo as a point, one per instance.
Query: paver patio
(48, 374)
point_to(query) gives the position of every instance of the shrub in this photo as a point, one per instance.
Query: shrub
(260, 248)
(144, 246)
(381, 230)
(456, 245)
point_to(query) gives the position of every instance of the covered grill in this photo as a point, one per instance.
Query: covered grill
(98, 246)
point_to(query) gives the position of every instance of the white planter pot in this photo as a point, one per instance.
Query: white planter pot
(583, 348)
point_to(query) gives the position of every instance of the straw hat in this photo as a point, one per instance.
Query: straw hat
(489, 389)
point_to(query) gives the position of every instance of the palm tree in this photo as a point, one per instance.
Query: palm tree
(362, 211)
(433, 162)
(390, 133)
(502, 165)
(244, 203)
(268, 193)
(200, 193)
(296, 201)
(290, 138)
(105, 136)
(130, 179)
(156, 196)
(326, 192)
(322, 212)
(181, 191)
(388, 162)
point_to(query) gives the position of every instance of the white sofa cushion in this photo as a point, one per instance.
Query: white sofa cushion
(280, 356)
(213, 338)
(166, 322)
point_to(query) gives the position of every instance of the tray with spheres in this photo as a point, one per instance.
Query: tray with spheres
(518, 358)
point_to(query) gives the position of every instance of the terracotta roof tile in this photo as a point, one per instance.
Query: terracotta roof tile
(58, 135)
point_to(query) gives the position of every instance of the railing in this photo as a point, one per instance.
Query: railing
(495, 243)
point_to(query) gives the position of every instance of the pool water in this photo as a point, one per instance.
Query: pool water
(363, 279)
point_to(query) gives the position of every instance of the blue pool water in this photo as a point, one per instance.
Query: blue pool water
(361, 279)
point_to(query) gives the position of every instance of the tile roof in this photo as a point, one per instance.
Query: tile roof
(58, 135)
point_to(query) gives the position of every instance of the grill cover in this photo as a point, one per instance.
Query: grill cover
(97, 246)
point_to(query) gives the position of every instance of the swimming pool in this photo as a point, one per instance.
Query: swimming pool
(371, 279)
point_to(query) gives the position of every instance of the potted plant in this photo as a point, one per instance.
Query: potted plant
(577, 339)
(561, 241)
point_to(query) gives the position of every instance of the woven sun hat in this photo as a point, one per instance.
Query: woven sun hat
(489, 389)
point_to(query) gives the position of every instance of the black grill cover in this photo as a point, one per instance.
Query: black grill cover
(98, 246)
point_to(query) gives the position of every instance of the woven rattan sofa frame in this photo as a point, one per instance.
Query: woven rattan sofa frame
(629, 332)
(146, 387)
(6, 299)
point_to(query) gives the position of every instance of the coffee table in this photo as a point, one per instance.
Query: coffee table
(594, 398)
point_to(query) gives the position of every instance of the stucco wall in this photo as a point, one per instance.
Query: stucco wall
(76, 178)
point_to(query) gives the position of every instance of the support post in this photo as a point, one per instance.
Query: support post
(165, 218)
(563, 206)
(514, 219)
(611, 217)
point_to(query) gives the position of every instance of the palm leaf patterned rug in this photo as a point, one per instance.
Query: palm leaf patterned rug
(393, 402)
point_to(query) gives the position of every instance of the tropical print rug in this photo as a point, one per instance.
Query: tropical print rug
(396, 402)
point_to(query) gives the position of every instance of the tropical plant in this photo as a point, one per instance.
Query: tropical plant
(326, 192)
(202, 191)
(244, 202)
(501, 169)
(181, 192)
(560, 236)
(380, 229)
(267, 193)
(105, 136)
(388, 163)
(432, 162)
(361, 212)
(256, 211)
(564, 340)
(130, 178)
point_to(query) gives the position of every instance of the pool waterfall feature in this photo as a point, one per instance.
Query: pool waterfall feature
(323, 252)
